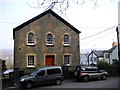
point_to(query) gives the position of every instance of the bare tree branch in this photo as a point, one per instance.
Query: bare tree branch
(60, 5)
(50, 4)
(79, 2)
(94, 2)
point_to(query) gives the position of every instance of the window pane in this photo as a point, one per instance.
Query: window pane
(41, 73)
(66, 59)
(31, 38)
(53, 71)
(30, 60)
(107, 55)
(66, 39)
(49, 39)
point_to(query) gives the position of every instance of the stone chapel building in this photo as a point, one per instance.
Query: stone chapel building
(46, 40)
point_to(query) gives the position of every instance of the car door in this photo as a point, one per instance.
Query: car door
(92, 73)
(40, 77)
(77, 71)
(95, 73)
(89, 72)
(53, 74)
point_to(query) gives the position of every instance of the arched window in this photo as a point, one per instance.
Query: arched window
(31, 39)
(66, 39)
(49, 40)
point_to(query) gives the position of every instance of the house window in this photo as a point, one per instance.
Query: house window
(30, 39)
(30, 60)
(67, 60)
(66, 40)
(49, 40)
(95, 60)
(106, 55)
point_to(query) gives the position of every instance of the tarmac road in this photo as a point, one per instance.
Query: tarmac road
(111, 82)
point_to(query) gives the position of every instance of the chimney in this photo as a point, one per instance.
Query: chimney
(114, 44)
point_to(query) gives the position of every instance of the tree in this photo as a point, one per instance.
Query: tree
(112, 69)
(60, 5)
(3, 65)
(103, 65)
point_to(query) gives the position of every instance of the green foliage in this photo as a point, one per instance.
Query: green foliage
(3, 65)
(5, 76)
(103, 65)
(115, 69)
(112, 69)
(38, 66)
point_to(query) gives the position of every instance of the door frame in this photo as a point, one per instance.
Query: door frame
(49, 55)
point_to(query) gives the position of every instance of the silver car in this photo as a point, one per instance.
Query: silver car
(86, 73)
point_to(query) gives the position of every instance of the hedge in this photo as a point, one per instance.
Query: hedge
(112, 69)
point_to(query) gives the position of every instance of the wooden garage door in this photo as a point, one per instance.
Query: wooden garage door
(50, 60)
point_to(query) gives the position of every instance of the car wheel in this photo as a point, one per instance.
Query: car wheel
(29, 85)
(58, 82)
(85, 78)
(104, 77)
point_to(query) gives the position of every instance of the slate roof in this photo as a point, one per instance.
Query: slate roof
(39, 16)
(110, 50)
(98, 53)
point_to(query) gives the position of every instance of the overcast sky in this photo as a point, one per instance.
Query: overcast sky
(97, 24)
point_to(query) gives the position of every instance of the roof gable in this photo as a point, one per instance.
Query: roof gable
(98, 53)
(39, 16)
(110, 50)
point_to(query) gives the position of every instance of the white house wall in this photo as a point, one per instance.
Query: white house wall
(83, 60)
(106, 59)
(93, 58)
(114, 55)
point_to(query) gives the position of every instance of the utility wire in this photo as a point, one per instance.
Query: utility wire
(106, 35)
(98, 33)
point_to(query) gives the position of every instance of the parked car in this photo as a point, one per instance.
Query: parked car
(8, 71)
(43, 75)
(86, 73)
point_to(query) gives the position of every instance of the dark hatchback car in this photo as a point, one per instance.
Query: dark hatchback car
(43, 75)
(86, 73)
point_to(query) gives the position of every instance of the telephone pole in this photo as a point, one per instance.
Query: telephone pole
(118, 44)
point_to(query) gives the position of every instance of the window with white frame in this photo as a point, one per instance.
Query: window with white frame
(107, 55)
(66, 39)
(66, 59)
(31, 39)
(30, 60)
(49, 40)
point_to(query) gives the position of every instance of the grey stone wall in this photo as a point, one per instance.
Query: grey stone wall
(42, 26)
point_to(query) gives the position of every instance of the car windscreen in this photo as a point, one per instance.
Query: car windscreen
(34, 73)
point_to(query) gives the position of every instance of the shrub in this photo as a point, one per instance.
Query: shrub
(112, 69)
(103, 65)
(3, 65)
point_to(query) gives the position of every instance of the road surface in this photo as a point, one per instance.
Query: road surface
(111, 82)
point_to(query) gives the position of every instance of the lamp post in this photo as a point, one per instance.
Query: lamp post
(118, 44)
